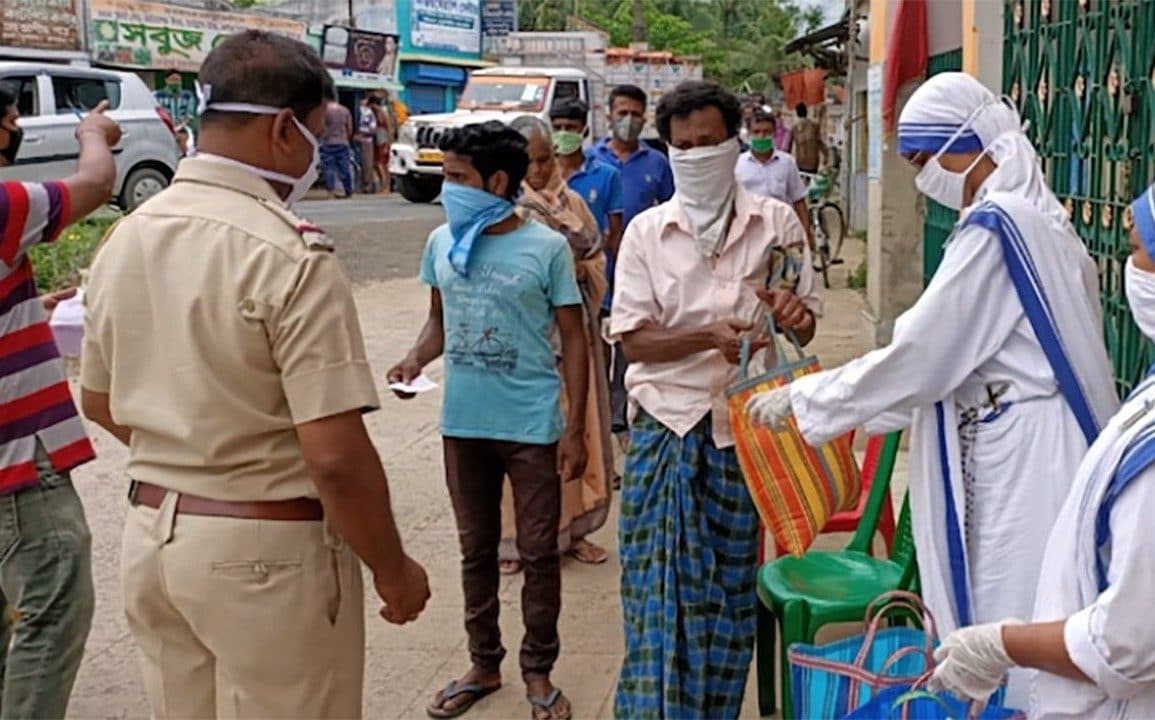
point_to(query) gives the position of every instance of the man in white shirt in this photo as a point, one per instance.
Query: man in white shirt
(766, 171)
(691, 280)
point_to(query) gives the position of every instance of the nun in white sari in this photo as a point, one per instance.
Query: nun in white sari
(1093, 636)
(999, 369)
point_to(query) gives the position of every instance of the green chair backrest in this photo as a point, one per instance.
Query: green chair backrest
(902, 550)
(879, 494)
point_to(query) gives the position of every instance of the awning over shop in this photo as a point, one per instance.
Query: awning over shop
(826, 45)
(430, 74)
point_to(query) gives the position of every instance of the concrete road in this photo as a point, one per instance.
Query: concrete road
(378, 238)
(380, 242)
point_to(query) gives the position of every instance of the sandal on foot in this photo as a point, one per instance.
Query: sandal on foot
(547, 704)
(473, 691)
(587, 553)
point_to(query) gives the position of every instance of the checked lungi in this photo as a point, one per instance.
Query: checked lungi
(689, 549)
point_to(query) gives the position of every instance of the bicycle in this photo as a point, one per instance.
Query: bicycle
(828, 223)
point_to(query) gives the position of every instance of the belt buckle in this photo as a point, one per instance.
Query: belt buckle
(133, 491)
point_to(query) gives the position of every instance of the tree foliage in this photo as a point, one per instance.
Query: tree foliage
(741, 42)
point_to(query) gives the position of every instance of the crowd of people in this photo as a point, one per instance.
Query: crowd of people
(575, 295)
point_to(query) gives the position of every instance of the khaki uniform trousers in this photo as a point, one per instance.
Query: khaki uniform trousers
(243, 618)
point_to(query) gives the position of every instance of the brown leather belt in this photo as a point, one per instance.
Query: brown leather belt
(297, 509)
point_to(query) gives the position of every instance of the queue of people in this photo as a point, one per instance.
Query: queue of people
(256, 494)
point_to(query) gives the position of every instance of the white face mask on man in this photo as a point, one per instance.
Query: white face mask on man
(704, 183)
(299, 186)
(1140, 289)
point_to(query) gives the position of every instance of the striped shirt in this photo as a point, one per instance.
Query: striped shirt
(35, 400)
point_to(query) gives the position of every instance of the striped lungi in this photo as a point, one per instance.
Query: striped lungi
(689, 549)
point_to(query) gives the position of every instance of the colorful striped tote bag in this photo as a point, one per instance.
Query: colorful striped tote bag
(796, 488)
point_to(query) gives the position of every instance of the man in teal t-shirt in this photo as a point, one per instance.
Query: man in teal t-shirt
(500, 284)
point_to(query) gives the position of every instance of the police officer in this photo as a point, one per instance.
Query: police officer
(223, 347)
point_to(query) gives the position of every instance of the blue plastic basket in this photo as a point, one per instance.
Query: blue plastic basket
(834, 679)
(901, 703)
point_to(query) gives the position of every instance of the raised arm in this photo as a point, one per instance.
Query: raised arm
(962, 319)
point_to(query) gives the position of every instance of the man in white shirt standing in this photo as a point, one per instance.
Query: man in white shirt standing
(691, 281)
(766, 171)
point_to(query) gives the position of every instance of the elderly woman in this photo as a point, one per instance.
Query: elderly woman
(1092, 637)
(546, 198)
(999, 368)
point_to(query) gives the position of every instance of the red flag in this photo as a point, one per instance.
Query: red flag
(906, 57)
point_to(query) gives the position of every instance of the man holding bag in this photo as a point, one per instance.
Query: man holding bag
(691, 279)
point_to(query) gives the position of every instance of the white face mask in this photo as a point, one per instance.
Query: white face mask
(704, 183)
(299, 185)
(1140, 288)
(941, 185)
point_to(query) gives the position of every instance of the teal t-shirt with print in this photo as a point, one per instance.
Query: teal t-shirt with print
(501, 376)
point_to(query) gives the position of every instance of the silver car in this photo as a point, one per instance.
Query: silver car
(52, 98)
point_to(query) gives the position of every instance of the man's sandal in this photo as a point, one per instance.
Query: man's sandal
(547, 704)
(473, 691)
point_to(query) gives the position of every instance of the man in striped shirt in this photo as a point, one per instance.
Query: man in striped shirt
(45, 566)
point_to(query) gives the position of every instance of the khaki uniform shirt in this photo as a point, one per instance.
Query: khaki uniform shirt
(217, 321)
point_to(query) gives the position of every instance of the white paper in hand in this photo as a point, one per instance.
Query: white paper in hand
(418, 385)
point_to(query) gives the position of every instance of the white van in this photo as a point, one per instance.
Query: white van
(52, 98)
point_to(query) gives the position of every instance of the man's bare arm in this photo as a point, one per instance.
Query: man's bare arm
(575, 363)
(431, 342)
(1041, 646)
(802, 210)
(614, 233)
(353, 488)
(91, 185)
(96, 408)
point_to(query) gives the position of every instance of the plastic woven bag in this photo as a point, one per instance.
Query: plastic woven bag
(914, 703)
(834, 679)
(796, 488)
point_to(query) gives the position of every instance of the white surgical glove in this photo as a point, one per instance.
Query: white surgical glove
(771, 408)
(972, 662)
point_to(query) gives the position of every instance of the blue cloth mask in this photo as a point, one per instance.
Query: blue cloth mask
(469, 211)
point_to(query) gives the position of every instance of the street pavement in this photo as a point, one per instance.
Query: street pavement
(380, 242)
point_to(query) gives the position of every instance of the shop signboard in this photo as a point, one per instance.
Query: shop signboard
(134, 34)
(446, 25)
(39, 24)
(361, 52)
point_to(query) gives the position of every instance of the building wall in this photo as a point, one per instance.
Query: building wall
(895, 212)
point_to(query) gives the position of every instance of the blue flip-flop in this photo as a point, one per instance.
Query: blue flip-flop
(547, 703)
(455, 689)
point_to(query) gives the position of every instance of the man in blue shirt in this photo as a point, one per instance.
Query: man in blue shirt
(500, 284)
(599, 184)
(646, 181)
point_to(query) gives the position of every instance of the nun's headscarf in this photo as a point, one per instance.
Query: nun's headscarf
(1143, 215)
(956, 108)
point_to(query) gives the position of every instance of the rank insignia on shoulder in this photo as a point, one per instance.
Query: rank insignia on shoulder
(314, 237)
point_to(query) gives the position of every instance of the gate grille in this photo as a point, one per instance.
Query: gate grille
(1081, 73)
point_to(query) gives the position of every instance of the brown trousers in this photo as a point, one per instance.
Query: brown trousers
(474, 471)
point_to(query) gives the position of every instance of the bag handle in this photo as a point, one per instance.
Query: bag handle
(876, 613)
(780, 358)
(918, 691)
(905, 652)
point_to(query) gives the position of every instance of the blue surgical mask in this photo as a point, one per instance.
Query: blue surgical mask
(469, 211)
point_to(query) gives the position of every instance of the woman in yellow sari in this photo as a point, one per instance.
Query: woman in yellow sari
(585, 501)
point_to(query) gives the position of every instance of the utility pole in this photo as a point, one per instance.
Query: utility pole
(639, 21)
(352, 17)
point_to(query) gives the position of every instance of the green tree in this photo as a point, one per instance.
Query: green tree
(737, 39)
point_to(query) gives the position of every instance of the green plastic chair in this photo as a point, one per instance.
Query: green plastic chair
(804, 594)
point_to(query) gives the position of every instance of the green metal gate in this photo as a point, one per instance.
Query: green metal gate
(1081, 72)
(940, 220)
